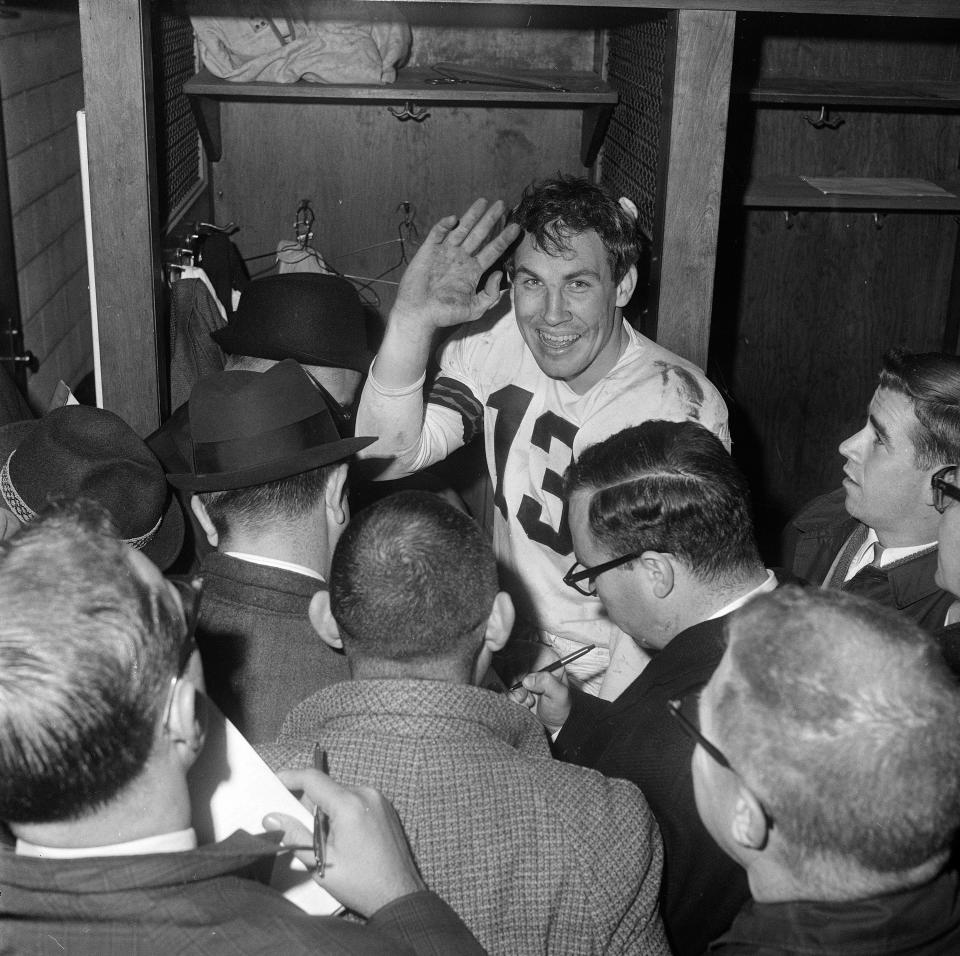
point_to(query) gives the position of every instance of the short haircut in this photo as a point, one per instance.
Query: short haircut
(669, 487)
(553, 210)
(86, 657)
(843, 717)
(259, 507)
(412, 579)
(931, 380)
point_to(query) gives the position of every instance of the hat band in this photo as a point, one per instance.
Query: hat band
(26, 514)
(11, 496)
(236, 454)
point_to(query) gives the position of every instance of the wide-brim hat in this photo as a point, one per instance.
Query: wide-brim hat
(314, 318)
(248, 428)
(78, 451)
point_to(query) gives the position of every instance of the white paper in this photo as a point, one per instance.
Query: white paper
(231, 789)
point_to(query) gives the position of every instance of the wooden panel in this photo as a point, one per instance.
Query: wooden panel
(818, 304)
(804, 314)
(694, 158)
(856, 8)
(117, 74)
(791, 192)
(357, 164)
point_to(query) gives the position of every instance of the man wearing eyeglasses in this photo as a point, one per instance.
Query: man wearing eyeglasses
(828, 766)
(877, 536)
(101, 703)
(946, 495)
(660, 518)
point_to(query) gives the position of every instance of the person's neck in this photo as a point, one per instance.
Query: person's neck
(157, 802)
(914, 536)
(373, 668)
(306, 544)
(698, 603)
(832, 881)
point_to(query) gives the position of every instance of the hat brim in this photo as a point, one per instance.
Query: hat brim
(165, 545)
(230, 341)
(262, 472)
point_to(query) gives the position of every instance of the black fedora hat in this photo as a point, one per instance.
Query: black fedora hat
(248, 428)
(313, 318)
(78, 451)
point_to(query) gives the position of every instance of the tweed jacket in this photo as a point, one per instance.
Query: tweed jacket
(635, 737)
(261, 656)
(535, 855)
(922, 921)
(203, 902)
(814, 537)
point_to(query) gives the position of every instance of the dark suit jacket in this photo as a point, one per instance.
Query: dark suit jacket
(261, 656)
(635, 737)
(816, 534)
(202, 902)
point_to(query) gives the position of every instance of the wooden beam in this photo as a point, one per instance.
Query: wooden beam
(118, 94)
(941, 9)
(697, 86)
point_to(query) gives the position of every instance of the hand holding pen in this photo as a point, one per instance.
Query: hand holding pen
(548, 696)
(556, 665)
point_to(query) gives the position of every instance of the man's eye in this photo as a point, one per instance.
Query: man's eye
(530, 283)
(579, 284)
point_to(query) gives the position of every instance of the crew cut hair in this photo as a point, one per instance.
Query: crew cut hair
(553, 210)
(931, 380)
(412, 579)
(842, 716)
(260, 507)
(669, 487)
(86, 657)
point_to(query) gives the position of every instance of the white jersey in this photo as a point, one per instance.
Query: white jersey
(533, 427)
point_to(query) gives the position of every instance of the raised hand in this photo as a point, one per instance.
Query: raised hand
(439, 288)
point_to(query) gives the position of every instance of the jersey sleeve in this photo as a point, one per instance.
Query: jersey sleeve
(414, 432)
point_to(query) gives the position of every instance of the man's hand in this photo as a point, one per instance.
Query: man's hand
(548, 695)
(369, 863)
(439, 287)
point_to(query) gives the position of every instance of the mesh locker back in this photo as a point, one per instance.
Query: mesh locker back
(636, 60)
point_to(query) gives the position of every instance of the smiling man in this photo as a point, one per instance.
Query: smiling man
(555, 373)
(877, 536)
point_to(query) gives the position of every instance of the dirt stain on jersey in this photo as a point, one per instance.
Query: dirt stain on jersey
(686, 384)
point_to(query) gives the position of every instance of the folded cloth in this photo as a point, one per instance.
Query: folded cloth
(316, 40)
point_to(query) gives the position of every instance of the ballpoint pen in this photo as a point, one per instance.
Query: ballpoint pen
(321, 822)
(556, 664)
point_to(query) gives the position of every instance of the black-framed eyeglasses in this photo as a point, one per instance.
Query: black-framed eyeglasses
(190, 590)
(944, 484)
(691, 728)
(573, 577)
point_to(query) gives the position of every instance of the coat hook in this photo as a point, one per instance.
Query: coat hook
(823, 120)
(409, 111)
(788, 215)
(878, 218)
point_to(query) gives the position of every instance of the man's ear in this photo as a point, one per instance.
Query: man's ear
(749, 826)
(657, 569)
(186, 724)
(500, 622)
(321, 617)
(626, 286)
(335, 495)
(203, 516)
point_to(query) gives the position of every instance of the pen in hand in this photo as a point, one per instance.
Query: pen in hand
(556, 665)
(321, 822)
